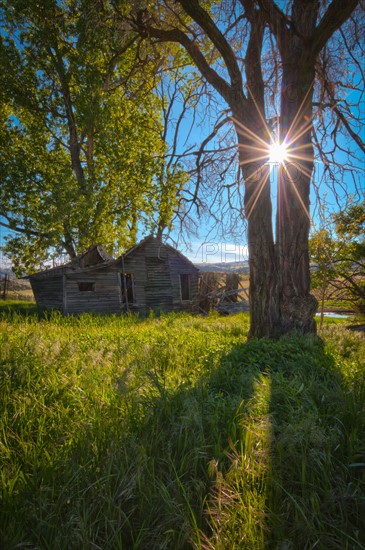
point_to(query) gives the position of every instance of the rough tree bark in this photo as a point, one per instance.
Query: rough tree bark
(297, 306)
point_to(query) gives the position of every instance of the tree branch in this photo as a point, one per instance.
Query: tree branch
(66, 95)
(255, 81)
(204, 20)
(12, 225)
(201, 151)
(278, 22)
(178, 36)
(351, 132)
(337, 13)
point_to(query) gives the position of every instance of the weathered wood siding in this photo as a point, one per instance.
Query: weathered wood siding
(135, 264)
(48, 292)
(156, 271)
(105, 298)
(178, 266)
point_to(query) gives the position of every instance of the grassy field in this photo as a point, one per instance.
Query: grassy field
(175, 432)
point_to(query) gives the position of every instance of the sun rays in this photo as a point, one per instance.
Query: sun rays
(291, 157)
(278, 153)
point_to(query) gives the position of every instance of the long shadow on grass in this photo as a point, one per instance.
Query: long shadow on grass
(255, 454)
(315, 486)
(296, 472)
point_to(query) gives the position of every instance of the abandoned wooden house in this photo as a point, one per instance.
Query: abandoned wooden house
(150, 276)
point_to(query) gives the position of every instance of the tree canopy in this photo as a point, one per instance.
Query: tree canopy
(80, 132)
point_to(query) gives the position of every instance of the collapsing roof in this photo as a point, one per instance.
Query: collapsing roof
(94, 256)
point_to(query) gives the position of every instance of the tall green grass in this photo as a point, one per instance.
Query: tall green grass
(175, 432)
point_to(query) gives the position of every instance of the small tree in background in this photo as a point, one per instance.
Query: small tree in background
(322, 254)
(338, 254)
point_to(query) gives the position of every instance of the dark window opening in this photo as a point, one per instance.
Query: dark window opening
(86, 287)
(127, 288)
(185, 286)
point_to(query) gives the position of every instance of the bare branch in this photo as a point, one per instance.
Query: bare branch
(178, 36)
(204, 20)
(337, 13)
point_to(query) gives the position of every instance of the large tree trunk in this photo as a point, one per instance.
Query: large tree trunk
(297, 305)
(264, 306)
(264, 311)
(280, 299)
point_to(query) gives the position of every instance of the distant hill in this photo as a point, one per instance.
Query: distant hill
(224, 267)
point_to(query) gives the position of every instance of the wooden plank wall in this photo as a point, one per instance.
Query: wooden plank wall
(105, 298)
(158, 288)
(135, 264)
(48, 292)
(179, 266)
(156, 271)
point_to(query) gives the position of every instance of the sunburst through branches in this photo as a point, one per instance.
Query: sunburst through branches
(284, 153)
(278, 152)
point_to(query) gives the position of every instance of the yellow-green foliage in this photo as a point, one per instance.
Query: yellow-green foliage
(175, 432)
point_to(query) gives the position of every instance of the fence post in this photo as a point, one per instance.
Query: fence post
(6, 286)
